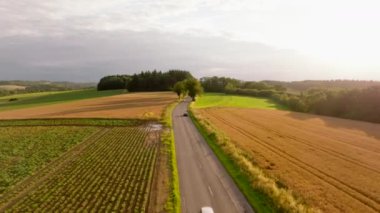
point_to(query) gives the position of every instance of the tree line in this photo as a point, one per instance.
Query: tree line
(356, 104)
(144, 81)
(299, 86)
(362, 103)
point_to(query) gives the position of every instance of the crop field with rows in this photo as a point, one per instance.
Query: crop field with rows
(110, 171)
(23, 150)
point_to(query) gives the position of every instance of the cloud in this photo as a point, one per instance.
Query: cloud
(83, 40)
(56, 17)
(87, 56)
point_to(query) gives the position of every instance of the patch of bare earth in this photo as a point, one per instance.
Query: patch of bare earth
(160, 183)
(334, 164)
(131, 105)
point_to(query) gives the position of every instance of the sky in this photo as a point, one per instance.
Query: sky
(84, 40)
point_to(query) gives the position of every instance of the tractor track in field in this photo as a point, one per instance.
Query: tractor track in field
(357, 194)
(307, 143)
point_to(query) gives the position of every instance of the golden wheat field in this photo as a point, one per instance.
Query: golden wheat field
(334, 164)
(130, 105)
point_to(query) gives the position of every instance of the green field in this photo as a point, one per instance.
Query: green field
(224, 100)
(113, 174)
(24, 150)
(77, 168)
(45, 98)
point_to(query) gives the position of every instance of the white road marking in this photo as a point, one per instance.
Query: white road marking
(227, 188)
(209, 189)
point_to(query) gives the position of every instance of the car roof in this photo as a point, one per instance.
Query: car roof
(207, 210)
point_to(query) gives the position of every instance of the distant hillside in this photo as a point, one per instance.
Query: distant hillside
(300, 86)
(17, 87)
(12, 87)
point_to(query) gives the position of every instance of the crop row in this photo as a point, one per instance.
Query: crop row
(25, 150)
(113, 174)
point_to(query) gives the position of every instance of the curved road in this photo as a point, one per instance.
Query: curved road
(203, 180)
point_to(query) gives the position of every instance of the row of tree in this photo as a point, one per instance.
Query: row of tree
(190, 87)
(223, 84)
(179, 81)
(357, 104)
(113, 82)
(302, 86)
(362, 103)
(144, 81)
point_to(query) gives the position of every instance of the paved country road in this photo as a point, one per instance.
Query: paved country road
(203, 180)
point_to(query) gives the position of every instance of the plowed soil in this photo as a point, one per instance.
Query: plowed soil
(334, 164)
(131, 105)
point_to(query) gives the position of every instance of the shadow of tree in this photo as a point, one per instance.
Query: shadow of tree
(371, 129)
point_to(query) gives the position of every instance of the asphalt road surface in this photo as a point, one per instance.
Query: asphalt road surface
(203, 180)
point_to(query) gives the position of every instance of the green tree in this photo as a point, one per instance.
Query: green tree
(179, 88)
(193, 88)
(114, 82)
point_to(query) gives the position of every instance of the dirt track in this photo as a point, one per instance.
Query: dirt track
(132, 105)
(333, 163)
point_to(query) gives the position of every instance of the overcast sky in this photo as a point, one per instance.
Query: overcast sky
(83, 40)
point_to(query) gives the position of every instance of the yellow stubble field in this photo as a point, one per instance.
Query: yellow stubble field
(334, 164)
(131, 105)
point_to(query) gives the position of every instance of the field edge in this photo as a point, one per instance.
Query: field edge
(173, 203)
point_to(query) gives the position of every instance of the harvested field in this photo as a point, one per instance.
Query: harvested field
(334, 164)
(12, 87)
(131, 105)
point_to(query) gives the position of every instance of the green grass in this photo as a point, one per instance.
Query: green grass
(24, 150)
(46, 98)
(224, 100)
(259, 201)
(173, 203)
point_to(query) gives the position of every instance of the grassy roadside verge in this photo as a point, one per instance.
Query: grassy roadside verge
(261, 191)
(173, 203)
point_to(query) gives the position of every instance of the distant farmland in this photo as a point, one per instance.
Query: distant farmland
(12, 87)
(130, 105)
(35, 99)
(334, 164)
